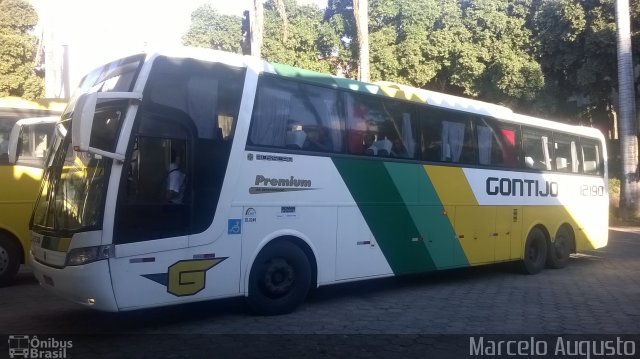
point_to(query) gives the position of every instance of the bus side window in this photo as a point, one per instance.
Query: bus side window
(430, 135)
(288, 114)
(591, 157)
(496, 144)
(144, 210)
(565, 153)
(537, 149)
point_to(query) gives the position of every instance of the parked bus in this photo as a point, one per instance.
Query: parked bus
(24, 148)
(292, 179)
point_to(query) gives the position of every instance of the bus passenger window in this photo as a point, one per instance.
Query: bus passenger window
(297, 116)
(380, 127)
(591, 157)
(566, 157)
(431, 141)
(537, 149)
(496, 145)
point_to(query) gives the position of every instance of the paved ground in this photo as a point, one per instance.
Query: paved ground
(598, 293)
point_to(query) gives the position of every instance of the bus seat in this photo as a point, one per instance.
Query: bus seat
(590, 166)
(529, 162)
(295, 139)
(371, 151)
(561, 163)
(384, 147)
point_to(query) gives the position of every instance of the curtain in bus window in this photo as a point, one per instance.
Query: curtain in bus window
(453, 140)
(356, 125)
(545, 151)
(270, 117)
(575, 163)
(202, 102)
(407, 135)
(334, 125)
(508, 147)
(484, 144)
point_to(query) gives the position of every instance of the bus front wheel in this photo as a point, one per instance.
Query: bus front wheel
(535, 252)
(560, 249)
(9, 259)
(279, 280)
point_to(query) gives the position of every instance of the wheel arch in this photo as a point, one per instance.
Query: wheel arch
(540, 226)
(8, 234)
(569, 228)
(293, 237)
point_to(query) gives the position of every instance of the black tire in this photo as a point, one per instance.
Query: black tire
(560, 250)
(9, 259)
(535, 252)
(280, 279)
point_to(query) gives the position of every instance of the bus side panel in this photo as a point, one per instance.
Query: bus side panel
(404, 213)
(284, 195)
(315, 225)
(18, 191)
(547, 199)
(358, 254)
(174, 273)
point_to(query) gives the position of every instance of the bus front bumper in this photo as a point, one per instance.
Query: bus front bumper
(89, 284)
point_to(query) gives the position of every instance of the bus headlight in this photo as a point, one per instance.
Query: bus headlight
(84, 255)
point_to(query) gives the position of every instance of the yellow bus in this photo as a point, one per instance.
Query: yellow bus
(292, 179)
(25, 133)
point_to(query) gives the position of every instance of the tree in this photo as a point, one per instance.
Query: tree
(577, 53)
(18, 50)
(309, 42)
(212, 30)
(361, 15)
(479, 48)
(629, 204)
(256, 28)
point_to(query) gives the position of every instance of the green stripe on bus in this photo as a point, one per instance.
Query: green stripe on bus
(386, 214)
(326, 79)
(428, 214)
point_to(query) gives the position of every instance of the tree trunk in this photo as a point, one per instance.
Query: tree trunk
(256, 26)
(285, 23)
(629, 205)
(361, 15)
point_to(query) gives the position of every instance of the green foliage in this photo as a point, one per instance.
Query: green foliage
(554, 59)
(577, 51)
(307, 41)
(18, 50)
(212, 30)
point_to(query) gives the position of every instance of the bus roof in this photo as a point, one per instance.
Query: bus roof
(383, 88)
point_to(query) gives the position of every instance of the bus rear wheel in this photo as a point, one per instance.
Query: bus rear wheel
(535, 252)
(9, 259)
(279, 280)
(560, 249)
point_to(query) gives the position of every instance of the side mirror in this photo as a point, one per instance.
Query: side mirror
(82, 119)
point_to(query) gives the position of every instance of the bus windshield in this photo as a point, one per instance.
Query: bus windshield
(71, 191)
(74, 184)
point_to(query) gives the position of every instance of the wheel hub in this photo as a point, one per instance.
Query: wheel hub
(4, 260)
(279, 277)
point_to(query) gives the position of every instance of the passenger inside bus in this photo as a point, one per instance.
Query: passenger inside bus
(175, 179)
(295, 136)
(398, 149)
(318, 139)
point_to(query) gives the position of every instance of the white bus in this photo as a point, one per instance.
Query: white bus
(293, 179)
